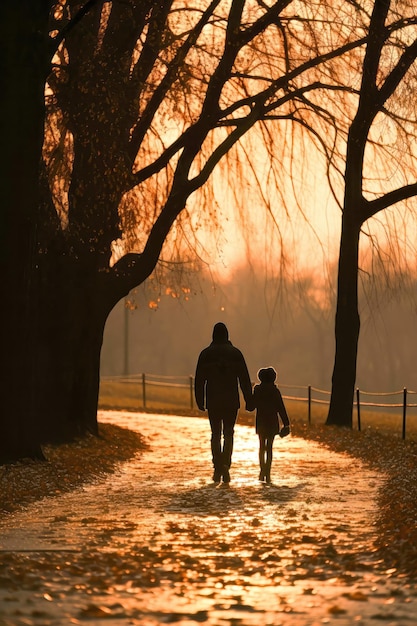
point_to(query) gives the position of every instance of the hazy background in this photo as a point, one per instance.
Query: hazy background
(285, 323)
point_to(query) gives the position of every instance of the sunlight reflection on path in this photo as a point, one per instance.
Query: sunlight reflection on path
(158, 542)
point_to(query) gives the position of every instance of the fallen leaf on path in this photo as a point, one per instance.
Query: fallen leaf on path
(357, 596)
(92, 610)
(336, 610)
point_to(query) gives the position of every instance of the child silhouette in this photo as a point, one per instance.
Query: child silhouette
(269, 405)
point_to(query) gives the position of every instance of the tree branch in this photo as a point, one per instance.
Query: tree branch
(395, 77)
(56, 41)
(167, 81)
(372, 207)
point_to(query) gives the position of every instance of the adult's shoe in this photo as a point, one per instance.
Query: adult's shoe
(226, 475)
(217, 476)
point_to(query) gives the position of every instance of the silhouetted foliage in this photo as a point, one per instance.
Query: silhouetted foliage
(142, 102)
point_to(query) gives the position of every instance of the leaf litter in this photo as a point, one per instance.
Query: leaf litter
(156, 542)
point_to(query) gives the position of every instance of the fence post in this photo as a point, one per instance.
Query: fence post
(358, 408)
(144, 391)
(404, 409)
(191, 393)
(309, 405)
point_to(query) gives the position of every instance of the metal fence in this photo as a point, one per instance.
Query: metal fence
(389, 401)
(148, 385)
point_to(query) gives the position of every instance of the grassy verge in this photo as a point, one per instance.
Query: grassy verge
(116, 394)
(158, 398)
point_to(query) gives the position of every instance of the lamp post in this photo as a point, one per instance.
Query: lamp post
(126, 339)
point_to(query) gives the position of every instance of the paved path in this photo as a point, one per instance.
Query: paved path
(159, 543)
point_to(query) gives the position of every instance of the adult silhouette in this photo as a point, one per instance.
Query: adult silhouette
(221, 369)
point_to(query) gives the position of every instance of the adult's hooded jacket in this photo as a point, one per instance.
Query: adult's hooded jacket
(221, 369)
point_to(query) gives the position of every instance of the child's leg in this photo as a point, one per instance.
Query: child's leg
(268, 449)
(268, 461)
(262, 457)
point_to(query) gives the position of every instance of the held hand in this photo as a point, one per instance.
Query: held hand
(250, 403)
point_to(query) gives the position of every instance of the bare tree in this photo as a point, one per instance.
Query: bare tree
(357, 109)
(388, 75)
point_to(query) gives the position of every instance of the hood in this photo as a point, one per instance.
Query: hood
(220, 333)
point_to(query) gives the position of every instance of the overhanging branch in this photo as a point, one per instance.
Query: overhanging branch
(56, 41)
(372, 207)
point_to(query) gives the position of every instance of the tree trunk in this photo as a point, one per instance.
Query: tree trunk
(86, 366)
(73, 312)
(23, 69)
(347, 326)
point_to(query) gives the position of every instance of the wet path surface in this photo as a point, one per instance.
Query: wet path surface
(159, 543)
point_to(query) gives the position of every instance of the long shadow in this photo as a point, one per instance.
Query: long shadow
(220, 500)
(279, 494)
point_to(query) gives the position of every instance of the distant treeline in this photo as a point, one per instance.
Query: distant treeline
(287, 323)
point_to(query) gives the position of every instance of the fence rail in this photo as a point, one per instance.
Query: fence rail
(297, 393)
